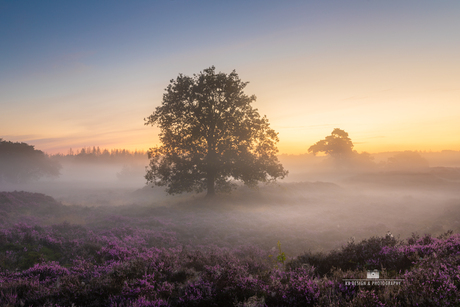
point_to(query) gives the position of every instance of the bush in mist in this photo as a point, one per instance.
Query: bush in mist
(131, 171)
(20, 162)
(407, 161)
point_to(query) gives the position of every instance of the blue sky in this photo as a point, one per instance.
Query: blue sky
(86, 73)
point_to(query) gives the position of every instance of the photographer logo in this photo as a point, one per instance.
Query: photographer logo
(372, 274)
(373, 279)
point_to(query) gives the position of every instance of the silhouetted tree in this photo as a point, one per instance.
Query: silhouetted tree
(20, 162)
(210, 135)
(338, 145)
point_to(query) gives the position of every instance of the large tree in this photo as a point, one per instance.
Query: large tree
(211, 136)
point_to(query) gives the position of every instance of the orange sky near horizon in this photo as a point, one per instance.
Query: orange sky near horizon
(387, 73)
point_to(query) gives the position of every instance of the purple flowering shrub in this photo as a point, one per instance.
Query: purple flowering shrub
(372, 253)
(434, 281)
(122, 259)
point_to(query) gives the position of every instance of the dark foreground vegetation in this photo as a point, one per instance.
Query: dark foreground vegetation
(148, 260)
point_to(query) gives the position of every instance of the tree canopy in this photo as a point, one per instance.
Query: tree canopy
(20, 162)
(211, 136)
(338, 145)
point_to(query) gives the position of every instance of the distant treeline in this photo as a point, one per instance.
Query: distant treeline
(95, 154)
(21, 162)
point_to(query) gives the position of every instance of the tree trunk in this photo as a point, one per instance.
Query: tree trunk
(210, 188)
(211, 160)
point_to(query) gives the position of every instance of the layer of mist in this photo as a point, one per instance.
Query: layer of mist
(319, 206)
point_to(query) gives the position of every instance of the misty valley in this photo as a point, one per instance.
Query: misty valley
(98, 235)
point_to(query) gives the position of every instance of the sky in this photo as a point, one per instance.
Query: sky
(86, 73)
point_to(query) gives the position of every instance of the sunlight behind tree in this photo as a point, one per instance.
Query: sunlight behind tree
(211, 136)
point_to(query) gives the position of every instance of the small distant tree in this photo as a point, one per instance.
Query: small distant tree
(20, 162)
(210, 136)
(339, 147)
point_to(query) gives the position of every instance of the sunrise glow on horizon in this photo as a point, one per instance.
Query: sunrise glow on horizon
(83, 74)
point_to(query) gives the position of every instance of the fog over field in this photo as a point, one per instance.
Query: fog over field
(199, 225)
(317, 207)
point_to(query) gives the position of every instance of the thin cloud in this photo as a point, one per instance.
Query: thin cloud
(356, 98)
(308, 126)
